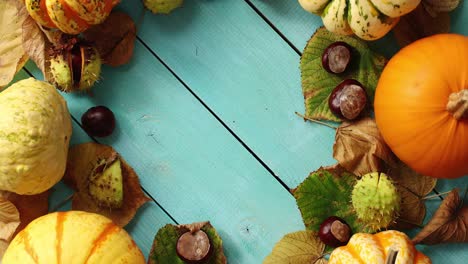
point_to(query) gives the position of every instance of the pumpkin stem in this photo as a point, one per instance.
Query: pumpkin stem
(391, 257)
(458, 104)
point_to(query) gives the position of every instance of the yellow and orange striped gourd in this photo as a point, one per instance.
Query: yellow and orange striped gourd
(73, 237)
(70, 16)
(365, 248)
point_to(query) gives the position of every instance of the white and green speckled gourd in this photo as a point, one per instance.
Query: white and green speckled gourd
(35, 130)
(367, 19)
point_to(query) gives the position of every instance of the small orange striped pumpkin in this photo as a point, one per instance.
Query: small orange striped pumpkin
(73, 237)
(368, 248)
(70, 16)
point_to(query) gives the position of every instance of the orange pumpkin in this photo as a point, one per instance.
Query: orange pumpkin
(421, 105)
(368, 248)
(73, 237)
(70, 16)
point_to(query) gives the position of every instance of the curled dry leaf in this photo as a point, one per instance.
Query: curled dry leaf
(114, 39)
(29, 207)
(9, 222)
(9, 219)
(34, 42)
(449, 224)
(412, 187)
(360, 148)
(12, 56)
(303, 247)
(82, 160)
(419, 24)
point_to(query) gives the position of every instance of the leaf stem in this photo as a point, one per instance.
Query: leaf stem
(316, 121)
(434, 195)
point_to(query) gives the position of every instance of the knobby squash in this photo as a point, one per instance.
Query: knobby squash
(70, 16)
(421, 105)
(35, 131)
(368, 248)
(73, 237)
(367, 19)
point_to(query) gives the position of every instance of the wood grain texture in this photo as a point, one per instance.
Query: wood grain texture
(289, 18)
(146, 222)
(184, 54)
(247, 75)
(188, 161)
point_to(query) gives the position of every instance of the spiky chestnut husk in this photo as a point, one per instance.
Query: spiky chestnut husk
(91, 68)
(60, 73)
(162, 6)
(105, 185)
(74, 69)
(376, 200)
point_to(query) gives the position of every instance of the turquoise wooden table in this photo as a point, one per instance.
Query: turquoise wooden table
(205, 114)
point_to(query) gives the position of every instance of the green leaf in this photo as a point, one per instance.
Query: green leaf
(317, 84)
(327, 192)
(303, 247)
(164, 245)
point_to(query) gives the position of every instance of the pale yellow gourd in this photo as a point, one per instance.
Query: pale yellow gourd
(35, 131)
(367, 19)
(73, 237)
(365, 248)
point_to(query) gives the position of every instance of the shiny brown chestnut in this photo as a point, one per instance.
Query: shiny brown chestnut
(336, 57)
(334, 232)
(98, 121)
(348, 99)
(194, 248)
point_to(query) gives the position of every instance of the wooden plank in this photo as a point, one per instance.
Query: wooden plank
(298, 25)
(189, 162)
(247, 75)
(289, 19)
(146, 222)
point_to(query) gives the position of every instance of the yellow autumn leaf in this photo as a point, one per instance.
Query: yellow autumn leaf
(302, 247)
(12, 55)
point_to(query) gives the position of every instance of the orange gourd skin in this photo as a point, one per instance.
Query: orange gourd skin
(365, 248)
(70, 16)
(73, 237)
(411, 105)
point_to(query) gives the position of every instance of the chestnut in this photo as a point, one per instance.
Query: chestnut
(348, 99)
(98, 121)
(336, 57)
(334, 232)
(194, 247)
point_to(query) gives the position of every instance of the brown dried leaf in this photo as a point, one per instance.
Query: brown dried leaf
(30, 207)
(114, 39)
(9, 219)
(34, 42)
(9, 222)
(360, 148)
(3, 248)
(414, 182)
(419, 24)
(449, 224)
(12, 55)
(81, 161)
(412, 211)
(412, 187)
